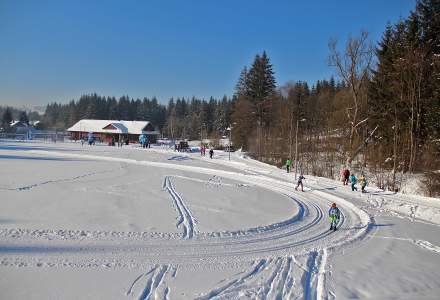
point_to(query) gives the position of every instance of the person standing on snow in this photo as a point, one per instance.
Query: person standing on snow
(334, 214)
(142, 140)
(300, 183)
(211, 153)
(363, 183)
(353, 181)
(90, 139)
(288, 165)
(346, 176)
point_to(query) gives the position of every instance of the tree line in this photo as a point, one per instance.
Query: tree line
(180, 118)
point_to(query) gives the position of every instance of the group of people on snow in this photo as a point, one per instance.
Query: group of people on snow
(351, 178)
(300, 178)
(203, 151)
(90, 139)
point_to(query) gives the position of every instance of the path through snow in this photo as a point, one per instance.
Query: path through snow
(286, 259)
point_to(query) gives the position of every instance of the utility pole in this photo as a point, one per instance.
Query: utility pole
(296, 145)
(296, 133)
(230, 140)
(201, 137)
(296, 148)
(290, 133)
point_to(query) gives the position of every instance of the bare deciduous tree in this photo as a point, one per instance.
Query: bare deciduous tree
(353, 66)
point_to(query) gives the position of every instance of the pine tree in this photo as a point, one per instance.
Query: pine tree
(261, 81)
(24, 117)
(261, 88)
(241, 88)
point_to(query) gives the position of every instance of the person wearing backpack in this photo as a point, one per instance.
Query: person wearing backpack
(334, 214)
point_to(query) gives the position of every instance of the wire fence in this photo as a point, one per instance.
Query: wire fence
(42, 136)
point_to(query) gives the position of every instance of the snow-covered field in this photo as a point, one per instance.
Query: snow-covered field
(80, 222)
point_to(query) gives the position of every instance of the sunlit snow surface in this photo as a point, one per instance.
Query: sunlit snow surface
(80, 222)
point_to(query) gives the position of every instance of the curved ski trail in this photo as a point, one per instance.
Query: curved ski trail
(186, 218)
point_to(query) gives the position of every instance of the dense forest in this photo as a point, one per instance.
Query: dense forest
(381, 115)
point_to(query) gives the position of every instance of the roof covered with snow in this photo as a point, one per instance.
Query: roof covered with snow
(113, 126)
(18, 124)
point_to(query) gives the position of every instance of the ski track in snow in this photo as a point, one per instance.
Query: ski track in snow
(427, 245)
(268, 279)
(420, 243)
(31, 186)
(153, 284)
(186, 218)
(279, 277)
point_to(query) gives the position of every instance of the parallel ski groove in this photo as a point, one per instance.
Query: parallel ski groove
(130, 290)
(152, 289)
(289, 281)
(186, 218)
(269, 286)
(235, 282)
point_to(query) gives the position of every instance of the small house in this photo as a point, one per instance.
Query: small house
(113, 130)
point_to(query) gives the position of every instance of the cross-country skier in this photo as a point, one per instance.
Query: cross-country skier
(346, 174)
(288, 165)
(334, 213)
(363, 183)
(300, 183)
(353, 181)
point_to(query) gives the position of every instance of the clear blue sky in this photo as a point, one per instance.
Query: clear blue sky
(58, 50)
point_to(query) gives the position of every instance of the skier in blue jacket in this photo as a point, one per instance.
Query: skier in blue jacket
(353, 181)
(334, 214)
(143, 140)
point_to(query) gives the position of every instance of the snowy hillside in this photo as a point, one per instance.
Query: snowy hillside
(80, 222)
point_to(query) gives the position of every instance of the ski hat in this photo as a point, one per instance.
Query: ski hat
(334, 205)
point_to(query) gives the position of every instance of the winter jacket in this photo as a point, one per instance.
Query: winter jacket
(363, 181)
(353, 179)
(334, 212)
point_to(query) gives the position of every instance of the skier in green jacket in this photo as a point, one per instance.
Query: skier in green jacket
(288, 165)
